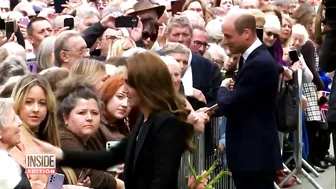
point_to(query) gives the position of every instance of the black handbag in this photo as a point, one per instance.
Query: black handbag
(287, 113)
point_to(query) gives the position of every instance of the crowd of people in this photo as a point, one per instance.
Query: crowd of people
(70, 90)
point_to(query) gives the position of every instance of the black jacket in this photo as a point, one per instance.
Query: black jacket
(152, 159)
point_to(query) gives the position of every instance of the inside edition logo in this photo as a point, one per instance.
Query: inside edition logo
(40, 163)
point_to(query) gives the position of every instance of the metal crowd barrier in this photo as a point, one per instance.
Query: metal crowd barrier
(201, 161)
(297, 153)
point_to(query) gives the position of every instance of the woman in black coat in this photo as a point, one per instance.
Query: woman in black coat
(153, 151)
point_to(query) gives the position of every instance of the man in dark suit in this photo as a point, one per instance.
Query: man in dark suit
(249, 104)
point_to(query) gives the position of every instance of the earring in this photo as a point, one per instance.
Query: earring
(0, 137)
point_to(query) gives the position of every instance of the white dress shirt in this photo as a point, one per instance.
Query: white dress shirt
(187, 79)
(249, 50)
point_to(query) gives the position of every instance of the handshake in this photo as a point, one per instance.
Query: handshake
(228, 83)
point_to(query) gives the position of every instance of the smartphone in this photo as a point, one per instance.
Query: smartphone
(212, 108)
(293, 55)
(129, 21)
(58, 5)
(82, 176)
(2, 24)
(260, 34)
(24, 21)
(109, 145)
(176, 6)
(55, 181)
(9, 29)
(69, 22)
(32, 66)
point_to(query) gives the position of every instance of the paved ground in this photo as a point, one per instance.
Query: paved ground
(326, 180)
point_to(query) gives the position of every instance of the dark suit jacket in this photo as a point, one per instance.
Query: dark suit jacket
(251, 132)
(152, 162)
(206, 77)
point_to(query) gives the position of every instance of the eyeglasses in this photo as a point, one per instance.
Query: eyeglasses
(269, 34)
(146, 35)
(80, 52)
(220, 62)
(200, 43)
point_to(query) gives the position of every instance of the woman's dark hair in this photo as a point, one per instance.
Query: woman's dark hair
(69, 91)
(147, 73)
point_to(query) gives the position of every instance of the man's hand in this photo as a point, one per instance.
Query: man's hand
(108, 20)
(199, 95)
(228, 83)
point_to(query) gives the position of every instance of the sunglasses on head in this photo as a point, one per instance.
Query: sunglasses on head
(146, 35)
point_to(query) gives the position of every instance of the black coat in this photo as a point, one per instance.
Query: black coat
(152, 159)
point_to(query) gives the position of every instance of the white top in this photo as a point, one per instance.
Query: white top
(187, 79)
(10, 172)
(248, 51)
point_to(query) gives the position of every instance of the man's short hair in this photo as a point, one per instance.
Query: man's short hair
(174, 48)
(30, 28)
(245, 21)
(61, 44)
(178, 21)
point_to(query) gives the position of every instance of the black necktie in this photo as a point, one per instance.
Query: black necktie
(241, 63)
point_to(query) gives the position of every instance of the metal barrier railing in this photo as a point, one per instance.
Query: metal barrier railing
(203, 161)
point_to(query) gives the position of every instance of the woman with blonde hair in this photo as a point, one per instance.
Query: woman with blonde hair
(93, 70)
(119, 45)
(286, 31)
(36, 106)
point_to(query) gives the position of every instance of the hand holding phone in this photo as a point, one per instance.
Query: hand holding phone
(55, 181)
(129, 21)
(69, 22)
(293, 55)
(24, 21)
(212, 108)
(10, 29)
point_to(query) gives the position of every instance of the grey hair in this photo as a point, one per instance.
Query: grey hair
(61, 44)
(5, 104)
(44, 53)
(85, 12)
(178, 21)
(111, 9)
(299, 29)
(214, 48)
(12, 66)
(174, 48)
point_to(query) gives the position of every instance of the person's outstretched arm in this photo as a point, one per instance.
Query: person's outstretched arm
(95, 160)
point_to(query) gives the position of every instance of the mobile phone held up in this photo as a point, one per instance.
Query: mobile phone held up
(69, 22)
(55, 181)
(294, 55)
(129, 21)
(9, 29)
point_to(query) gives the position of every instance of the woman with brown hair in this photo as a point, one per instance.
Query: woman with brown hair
(153, 151)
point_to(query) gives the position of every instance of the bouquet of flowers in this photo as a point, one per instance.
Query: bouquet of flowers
(203, 180)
